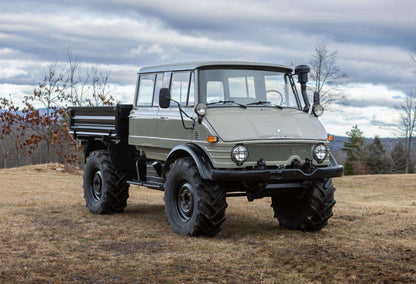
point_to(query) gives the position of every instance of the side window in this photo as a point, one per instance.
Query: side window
(191, 98)
(166, 79)
(215, 91)
(179, 87)
(158, 86)
(146, 87)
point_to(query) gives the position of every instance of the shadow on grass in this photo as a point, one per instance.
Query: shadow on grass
(239, 226)
(145, 209)
(236, 225)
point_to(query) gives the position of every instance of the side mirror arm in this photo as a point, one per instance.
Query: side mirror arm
(182, 112)
(316, 98)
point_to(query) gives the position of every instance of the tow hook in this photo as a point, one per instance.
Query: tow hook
(261, 164)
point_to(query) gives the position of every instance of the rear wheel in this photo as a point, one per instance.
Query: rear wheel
(105, 189)
(308, 210)
(194, 206)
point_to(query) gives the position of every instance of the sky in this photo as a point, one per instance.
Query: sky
(373, 40)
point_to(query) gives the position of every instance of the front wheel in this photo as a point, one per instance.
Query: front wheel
(194, 206)
(308, 210)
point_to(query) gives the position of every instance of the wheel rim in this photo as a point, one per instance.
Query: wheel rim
(185, 201)
(97, 185)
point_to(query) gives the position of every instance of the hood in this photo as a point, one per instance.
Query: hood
(257, 123)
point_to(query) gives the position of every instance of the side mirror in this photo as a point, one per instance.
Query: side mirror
(164, 98)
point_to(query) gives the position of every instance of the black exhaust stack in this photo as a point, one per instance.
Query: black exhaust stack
(302, 72)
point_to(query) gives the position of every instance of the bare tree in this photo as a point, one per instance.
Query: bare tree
(99, 81)
(88, 86)
(407, 113)
(327, 76)
(72, 81)
(413, 58)
(51, 92)
(78, 81)
(9, 134)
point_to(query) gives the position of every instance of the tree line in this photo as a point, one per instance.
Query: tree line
(371, 158)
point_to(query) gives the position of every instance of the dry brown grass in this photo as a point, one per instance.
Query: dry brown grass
(48, 235)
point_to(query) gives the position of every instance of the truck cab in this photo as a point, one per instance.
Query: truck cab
(206, 131)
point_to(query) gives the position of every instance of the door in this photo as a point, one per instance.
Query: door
(171, 130)
(142, 127)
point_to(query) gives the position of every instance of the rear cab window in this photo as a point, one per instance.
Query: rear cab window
(146, 89)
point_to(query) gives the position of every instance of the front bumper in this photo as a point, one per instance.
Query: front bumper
(275, 176)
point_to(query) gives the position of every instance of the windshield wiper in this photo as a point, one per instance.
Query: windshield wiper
(226, 102)
(264, 102)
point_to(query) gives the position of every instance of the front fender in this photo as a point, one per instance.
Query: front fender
(201, 159)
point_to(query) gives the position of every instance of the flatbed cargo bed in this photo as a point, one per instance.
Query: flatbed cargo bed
(102, 121)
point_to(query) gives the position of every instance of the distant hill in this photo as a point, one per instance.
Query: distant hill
(388, 143)
(338, 143)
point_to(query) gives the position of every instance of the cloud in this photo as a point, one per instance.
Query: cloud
(372, 120)
(365, 95)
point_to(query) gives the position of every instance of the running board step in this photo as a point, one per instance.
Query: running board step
(154, 185)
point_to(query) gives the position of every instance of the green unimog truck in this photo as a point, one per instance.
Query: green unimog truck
(202, 132)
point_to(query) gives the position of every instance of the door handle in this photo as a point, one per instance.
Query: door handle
(163, 117)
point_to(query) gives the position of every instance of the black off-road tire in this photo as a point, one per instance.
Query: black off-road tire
(308, 210)
(194, 206)
(105, 189)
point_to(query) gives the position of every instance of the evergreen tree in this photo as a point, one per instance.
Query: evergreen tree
(354, 149)
(398, 156)
(376, 160)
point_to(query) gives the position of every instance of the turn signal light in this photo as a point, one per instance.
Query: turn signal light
(212, 139)
(330, 138)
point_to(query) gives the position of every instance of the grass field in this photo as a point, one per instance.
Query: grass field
(48, 235)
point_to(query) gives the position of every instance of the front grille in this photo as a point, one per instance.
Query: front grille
(278, 152)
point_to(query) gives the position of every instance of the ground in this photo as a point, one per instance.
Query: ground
(48, 235)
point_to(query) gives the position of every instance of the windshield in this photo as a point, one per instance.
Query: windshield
(233, 87)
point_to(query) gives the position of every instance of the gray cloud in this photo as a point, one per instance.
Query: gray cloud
(380, 123)
(365, 103)
(373, 38)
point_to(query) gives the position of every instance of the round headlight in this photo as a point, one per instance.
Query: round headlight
(239, 154)
(318, 110)
(201, 109)
(320, 152)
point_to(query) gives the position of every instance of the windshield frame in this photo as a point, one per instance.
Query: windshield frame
(287, 73)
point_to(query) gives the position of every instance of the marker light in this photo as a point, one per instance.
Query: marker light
(212, 139)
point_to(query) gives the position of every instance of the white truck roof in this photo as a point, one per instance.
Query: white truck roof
(202, 64)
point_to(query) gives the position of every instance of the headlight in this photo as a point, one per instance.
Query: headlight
(201, 109)
(318, 110)
(239, 154)
(320, 152)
